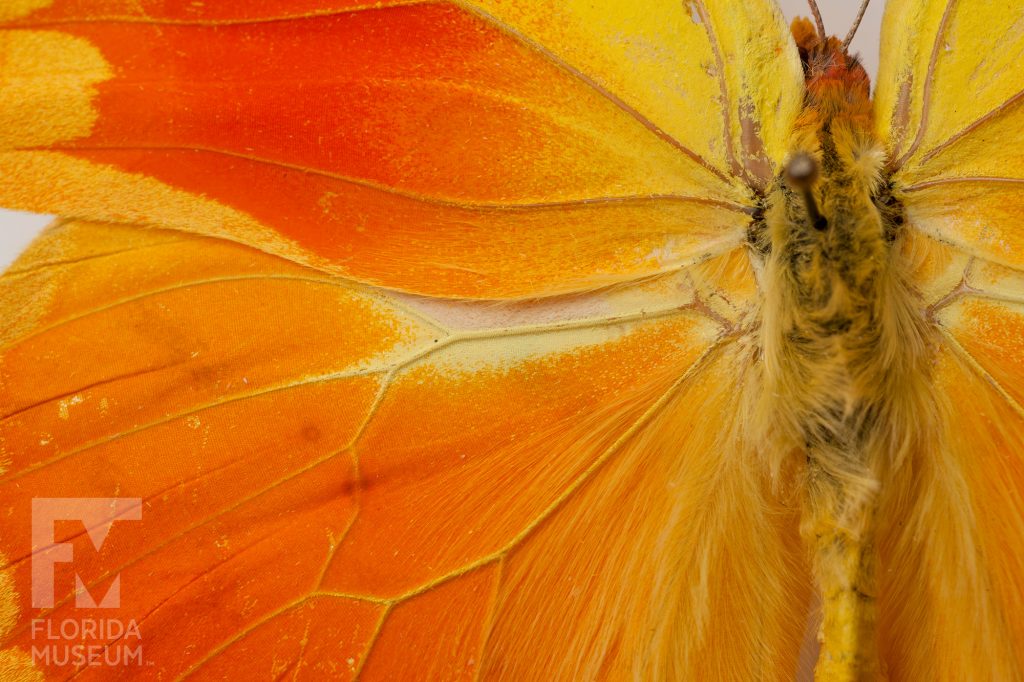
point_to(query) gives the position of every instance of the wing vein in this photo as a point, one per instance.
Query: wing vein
(326, 281)
(357, 474)
(703, 359)
(373, 642)
(158, 21)
(597, 87)
(981, 371)
(196, 526)
(87, 387)
(415, 196)
(723, 90)
(963, 246)
(38, 266)
(993, 114)
(966, 178)
(926, 93)
(492, 614)
(139, 621)
(499, 554)
(397, 366)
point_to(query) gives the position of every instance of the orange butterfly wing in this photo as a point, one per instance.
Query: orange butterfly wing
(370, 142)
(307, 501)
(949, 102)
(341, 480)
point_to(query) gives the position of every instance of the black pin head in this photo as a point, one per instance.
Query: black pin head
(801, 173)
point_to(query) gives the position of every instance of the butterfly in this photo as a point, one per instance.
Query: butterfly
(511, 339)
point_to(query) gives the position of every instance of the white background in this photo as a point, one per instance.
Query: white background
(18, 229)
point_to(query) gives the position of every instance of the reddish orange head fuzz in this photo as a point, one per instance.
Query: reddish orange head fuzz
(835, 79)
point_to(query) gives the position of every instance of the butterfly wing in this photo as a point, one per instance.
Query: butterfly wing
(376, 142)
(950, 103)
(338, 479)
(414, 501)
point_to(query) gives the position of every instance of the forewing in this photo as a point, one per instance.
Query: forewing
(949, 104)
(436, 148)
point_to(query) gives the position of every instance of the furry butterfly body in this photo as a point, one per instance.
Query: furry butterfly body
(846, 349)
(514, 363)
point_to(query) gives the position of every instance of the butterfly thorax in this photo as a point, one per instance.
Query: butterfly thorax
(828, 261)
(837, 324)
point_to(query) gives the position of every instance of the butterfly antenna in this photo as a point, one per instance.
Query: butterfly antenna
(856, 24)
(817, 19)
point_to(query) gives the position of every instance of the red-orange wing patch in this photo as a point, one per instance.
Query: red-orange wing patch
(479, 149)
(421, 147)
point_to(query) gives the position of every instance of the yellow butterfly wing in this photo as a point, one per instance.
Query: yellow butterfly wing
(950, 104)
(508, 471)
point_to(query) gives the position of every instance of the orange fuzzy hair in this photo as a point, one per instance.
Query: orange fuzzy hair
(835, 80)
